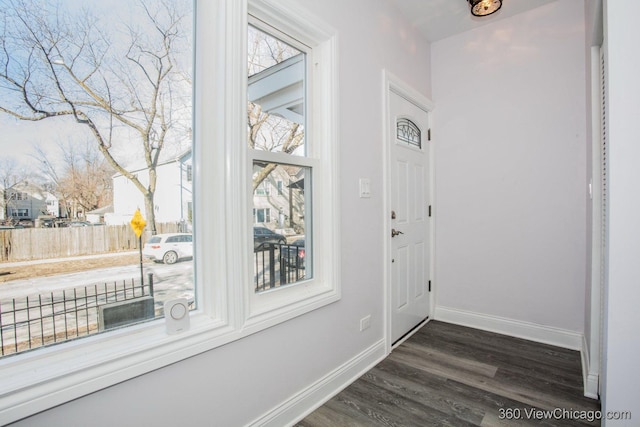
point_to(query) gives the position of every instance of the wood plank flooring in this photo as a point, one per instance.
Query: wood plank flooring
(449, 375)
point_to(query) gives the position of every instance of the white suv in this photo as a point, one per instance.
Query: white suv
(169, 248)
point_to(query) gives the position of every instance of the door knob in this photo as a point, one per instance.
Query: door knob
(394, 233)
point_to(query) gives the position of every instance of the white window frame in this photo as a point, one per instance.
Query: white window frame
(320, 45)
(38, 380)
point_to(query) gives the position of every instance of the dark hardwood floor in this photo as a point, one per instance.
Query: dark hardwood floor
(449, 375)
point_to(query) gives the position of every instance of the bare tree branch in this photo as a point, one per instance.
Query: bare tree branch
(55, 63)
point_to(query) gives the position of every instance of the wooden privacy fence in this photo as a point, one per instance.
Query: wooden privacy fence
(43, 243)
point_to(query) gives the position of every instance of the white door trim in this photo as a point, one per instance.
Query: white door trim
(391, 83)
(592, 354)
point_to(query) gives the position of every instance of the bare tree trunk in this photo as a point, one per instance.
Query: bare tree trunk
(150, 213)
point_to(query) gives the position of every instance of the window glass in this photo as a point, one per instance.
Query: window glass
(96, 124)
(276, 124)
(261, 216)
(408, 132)
(276, 92)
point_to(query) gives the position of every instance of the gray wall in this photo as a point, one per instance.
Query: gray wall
(511, 168)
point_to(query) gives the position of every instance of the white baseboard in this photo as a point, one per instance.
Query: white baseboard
(590, 376)
(306, 401)
(314, 396)
(515, 328)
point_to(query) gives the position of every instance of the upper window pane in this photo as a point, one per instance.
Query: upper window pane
(96, 124)
(276, 94)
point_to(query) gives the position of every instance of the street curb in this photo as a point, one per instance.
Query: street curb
(66, 259)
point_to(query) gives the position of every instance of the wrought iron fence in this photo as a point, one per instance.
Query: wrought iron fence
(277, 265)
(39, 320)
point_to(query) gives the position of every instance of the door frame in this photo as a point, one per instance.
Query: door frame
(391, 83)
(592, 349)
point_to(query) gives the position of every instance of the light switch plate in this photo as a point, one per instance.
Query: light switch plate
(365, 188)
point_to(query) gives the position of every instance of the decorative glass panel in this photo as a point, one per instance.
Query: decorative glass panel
(408, 132)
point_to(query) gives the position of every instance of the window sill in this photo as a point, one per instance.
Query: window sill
(41, 379)
(46, 377)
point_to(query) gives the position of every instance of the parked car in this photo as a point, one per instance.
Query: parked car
(79, 224)
(294, 254)
(262, 235)
(169, 248)
(47, 223)
(44, 221)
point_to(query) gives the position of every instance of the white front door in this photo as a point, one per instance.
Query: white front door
(409, 199)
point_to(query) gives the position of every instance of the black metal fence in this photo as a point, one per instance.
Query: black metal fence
(39, 320)
(277, 265)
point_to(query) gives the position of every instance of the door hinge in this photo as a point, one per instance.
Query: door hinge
(429, 285)
(429, 134)
(429, 211)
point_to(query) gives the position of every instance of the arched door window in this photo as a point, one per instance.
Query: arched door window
(409, 132)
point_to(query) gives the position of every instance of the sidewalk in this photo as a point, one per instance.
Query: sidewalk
(72, 258)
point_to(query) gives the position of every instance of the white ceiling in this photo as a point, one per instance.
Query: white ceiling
(438, 19)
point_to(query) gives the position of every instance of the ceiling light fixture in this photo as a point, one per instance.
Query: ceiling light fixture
(484, 7)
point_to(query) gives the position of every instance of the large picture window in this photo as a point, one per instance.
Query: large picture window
(113, 126)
